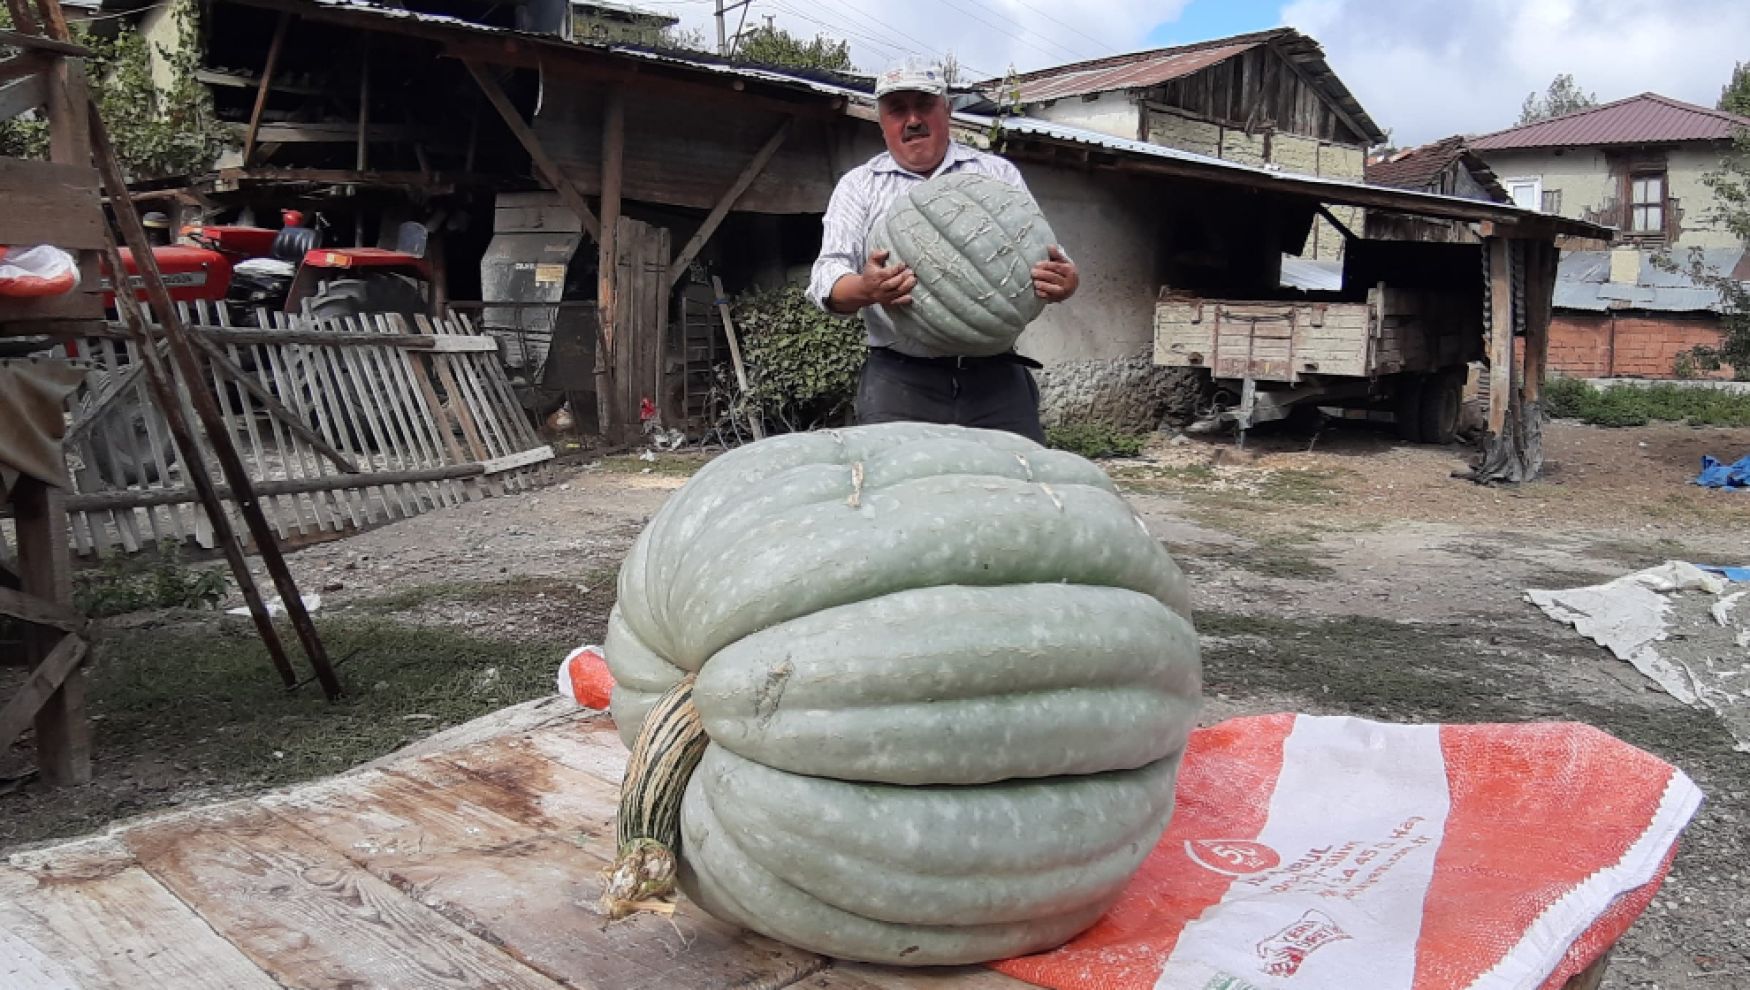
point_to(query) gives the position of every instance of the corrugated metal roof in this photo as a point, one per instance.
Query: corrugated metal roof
(1645, 119)
(1583, 283)
(1141, 70)
(1125, 72)
(1421, 167)
(1340, 192)
(1311, 274)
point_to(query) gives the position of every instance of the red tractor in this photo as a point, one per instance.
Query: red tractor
(249, 268)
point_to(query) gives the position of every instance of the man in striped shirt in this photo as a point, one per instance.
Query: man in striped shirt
(897, 382)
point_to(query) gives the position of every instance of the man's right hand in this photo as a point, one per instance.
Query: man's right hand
(879, 284)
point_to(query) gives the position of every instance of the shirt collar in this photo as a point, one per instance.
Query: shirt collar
(957, 153)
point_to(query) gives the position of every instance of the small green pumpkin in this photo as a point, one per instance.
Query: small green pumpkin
(946, 677)
(972, 240)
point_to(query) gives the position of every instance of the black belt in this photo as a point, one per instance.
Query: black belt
(958, 361)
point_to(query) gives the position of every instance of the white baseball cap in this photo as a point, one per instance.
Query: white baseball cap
(913, 74)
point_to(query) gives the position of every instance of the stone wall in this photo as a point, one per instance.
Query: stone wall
(1131, 394)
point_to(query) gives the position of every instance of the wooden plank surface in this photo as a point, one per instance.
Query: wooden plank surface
(500, 838)
(49, 203)
(308, 917)
(104, 922)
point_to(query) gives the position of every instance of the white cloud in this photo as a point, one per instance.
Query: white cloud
(987, 36)
(1425, 70)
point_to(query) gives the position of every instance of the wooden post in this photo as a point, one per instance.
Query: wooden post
(273, 58)
(1500, 333)
(756, 422)
(1539, 290)
(612, 420)
(63, 734)
(364, 101)
(206, 408)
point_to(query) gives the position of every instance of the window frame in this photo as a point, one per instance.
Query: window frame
(1536, 183)
(1632, 206)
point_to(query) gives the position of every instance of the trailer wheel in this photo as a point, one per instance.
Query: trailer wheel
(1408, 411)
(1442, 395)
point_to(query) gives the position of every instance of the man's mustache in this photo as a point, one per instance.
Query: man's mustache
(916, 130)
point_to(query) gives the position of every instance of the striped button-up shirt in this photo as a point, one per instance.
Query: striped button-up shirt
(860, 199)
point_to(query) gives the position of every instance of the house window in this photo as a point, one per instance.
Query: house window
(1647, 203)
(1552, 201)
(1526, 192)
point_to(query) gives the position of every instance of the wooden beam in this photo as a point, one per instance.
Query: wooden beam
(339, 132)
(1500, 334)
(1540, 267)
(609, 420)
(544, 163)
(273, 57)
(20, 66)
(755, 420)
(45, 681)
(1342, 228)
(23, 94)
(40, 612)
(37, 42)
(102, 501)
(55, 694)
(727, 201)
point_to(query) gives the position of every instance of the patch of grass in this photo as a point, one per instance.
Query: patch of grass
(1285, 556)
(1094, 440)
(1301, 487)
(678, 465)
(1628, 405)
(159, 578)
(517, 589)
(202, 704)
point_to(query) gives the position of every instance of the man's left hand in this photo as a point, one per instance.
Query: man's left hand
(1055, 280)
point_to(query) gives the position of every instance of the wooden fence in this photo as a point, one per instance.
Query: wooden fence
(342, 425)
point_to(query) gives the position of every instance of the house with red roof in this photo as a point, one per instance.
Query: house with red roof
(1635, 165)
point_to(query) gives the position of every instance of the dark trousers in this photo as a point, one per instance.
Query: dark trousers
(991, 393)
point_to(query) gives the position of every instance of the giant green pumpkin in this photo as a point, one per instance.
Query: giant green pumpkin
(972, 240)
(946, 676)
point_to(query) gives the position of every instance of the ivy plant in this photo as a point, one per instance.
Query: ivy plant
(157, 131)
(802, 364)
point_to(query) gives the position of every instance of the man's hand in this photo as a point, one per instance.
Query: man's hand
(879, 284)
(1055, 280)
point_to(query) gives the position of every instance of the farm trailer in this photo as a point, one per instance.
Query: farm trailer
(1404, 351)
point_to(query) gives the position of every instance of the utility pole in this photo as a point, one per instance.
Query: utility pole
(722, 37)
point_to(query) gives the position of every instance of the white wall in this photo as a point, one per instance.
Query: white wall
(1108, 225)
(1583, 177)
(1108, 113)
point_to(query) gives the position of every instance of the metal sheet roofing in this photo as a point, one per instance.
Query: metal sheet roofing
(1141, 70)
(1645, 119)
(1322, 189)
(1583, 283)
(1124, 72)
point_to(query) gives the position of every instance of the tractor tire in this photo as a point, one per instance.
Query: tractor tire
(344, 298)
(1408, 409)
(1442, 396)
(120, 448)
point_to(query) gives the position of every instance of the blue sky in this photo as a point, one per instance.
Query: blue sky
(1423, 69)
(1205, 19)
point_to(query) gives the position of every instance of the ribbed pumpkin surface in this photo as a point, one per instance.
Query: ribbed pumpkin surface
(946, 674)
(972, 241)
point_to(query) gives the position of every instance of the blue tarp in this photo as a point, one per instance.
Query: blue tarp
(1733, 574)
(1718, 474)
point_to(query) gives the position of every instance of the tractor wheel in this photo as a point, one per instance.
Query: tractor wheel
(343, 298)
(1442, 395)
(1408, 410)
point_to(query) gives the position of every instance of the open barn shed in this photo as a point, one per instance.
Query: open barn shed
(640, 174)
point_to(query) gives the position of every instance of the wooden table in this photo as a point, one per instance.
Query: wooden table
(470, 860)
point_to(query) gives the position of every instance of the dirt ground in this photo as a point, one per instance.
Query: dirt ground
(1340, 573)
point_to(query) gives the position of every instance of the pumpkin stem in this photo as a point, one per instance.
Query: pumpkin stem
(648, 828)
